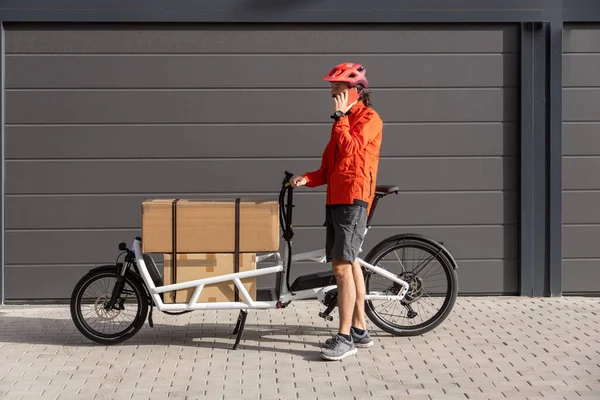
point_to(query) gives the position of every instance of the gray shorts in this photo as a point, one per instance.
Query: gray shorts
(345, 231)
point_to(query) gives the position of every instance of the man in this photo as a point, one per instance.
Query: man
(349, 168)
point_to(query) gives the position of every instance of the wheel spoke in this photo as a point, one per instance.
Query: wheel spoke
(113, 325)
(432, 287)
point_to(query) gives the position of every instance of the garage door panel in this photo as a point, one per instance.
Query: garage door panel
(581, 138)
(241, 38)
(234, 175)
(124, 211)
(100, 246)
(474, 277)
(581, 158)
(488, 276)
(200, 141)
(580, 276)
(581, 241)
(581, 104)
(581, 207)
(581, 70)
(103, 116)
(56, 278)
(218, 106)
(577, 173)
(252, 71)
(59, 276)
(581, 38)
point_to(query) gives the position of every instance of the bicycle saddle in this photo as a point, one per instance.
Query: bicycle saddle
(386, 189)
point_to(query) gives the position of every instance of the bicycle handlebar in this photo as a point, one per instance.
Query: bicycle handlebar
(285, 219)
(286, 209)
(286, 179)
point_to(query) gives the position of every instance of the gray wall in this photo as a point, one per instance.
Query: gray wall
(98, 119)
(581, 159)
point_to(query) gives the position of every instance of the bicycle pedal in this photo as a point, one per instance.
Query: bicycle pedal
(325, 316)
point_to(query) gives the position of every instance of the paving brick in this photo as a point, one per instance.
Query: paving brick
(489, 348)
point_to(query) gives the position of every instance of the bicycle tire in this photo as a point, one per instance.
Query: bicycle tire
(117, 337)
(439, 253)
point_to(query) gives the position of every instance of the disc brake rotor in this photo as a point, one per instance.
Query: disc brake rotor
(416, 288)
(101, 311)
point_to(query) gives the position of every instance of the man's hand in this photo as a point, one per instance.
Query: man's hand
(298, 180)
(339, 102)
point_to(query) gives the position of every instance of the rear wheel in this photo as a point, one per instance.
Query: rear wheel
(433, 285)
(102, 325)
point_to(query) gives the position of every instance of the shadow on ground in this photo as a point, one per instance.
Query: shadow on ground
(304, 341)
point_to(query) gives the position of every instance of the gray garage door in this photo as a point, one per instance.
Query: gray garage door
(100, 118)
(581, 160)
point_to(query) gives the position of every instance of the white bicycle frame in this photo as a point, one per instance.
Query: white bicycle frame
(248, 302)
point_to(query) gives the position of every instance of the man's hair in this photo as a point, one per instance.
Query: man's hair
(365, 96)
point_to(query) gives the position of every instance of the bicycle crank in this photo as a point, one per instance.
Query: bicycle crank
(330, 301)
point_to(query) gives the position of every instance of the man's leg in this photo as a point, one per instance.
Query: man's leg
(359, 332)
(358, 319)
(341, 228)
(343, 272)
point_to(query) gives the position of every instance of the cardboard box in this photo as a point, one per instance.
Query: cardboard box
(208, 225)
(197, 266)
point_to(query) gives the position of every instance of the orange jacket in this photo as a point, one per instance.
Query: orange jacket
(351, 158)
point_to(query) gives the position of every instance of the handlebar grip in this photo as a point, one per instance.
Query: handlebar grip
(286, 180)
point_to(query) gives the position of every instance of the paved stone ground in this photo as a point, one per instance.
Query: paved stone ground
(489, 348)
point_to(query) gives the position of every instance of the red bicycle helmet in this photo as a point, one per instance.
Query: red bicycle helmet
(351, 73)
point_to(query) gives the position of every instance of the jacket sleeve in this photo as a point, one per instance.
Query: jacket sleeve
(351, 142)
(318, 177)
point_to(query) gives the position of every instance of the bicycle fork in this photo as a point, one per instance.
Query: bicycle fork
(118, 288)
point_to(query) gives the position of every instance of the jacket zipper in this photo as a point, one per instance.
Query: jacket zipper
(335, 154)
(334, 159)
(371, 184)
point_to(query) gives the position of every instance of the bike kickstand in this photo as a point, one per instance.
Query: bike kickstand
(239, 327)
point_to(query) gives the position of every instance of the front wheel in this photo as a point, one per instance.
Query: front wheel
(433, 285)
(108, 326)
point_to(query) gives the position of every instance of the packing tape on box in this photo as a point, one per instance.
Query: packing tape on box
(236, 260)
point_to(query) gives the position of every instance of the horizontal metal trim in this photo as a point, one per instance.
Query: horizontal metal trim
(375, 90)
(349, 11)
(339, 14)
(303, 227)
(258, 89)
(318, 158)
(580, 294)
(10, 55)
(62, 264)
(209, 124)
(568, 121)
(301, 193)
(580, 224)
(586, 88)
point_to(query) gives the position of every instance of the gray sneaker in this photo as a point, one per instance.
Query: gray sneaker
(338, 349)
(361, 341)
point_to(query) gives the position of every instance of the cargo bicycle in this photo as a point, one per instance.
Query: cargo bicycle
(127, 291)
